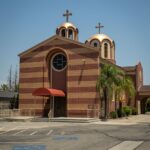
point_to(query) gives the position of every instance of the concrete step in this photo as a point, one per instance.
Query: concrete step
(18, 119)
(40, 119)
(74, 120)
(56, 119)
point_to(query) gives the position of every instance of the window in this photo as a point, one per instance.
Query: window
(140, 75)
(105, 50)
(59, 62)
(63, 33)
(95, 44)
(70, 34)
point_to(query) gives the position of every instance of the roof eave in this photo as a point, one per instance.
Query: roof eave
(57, 37)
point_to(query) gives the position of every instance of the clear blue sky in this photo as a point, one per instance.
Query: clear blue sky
(24, 23)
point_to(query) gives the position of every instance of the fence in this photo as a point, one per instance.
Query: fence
(18, 112)
(9, 112)
(92, 113)
(89, 113)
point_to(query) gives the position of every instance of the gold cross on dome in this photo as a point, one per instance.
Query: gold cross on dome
(99, 26)
(67, 14)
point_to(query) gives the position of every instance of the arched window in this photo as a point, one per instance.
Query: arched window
(105, 50)
(140, 75)
(95, 43)
(63, 33)
(70, 34)
(113, 55)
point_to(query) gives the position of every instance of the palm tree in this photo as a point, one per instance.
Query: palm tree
(4, 87)
(126, 86)
(107, 80)
(118, 91)
(129, 88)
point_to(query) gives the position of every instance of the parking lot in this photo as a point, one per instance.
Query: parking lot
(26, 132)
(125, 134)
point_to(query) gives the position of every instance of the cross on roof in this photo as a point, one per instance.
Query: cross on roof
(99, 26)
(67, 14)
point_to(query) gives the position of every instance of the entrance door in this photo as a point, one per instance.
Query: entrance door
(58, 77)
(60, 107)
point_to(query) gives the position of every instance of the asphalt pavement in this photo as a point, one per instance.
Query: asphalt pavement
(131, 133)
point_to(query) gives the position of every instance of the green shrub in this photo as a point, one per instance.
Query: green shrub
(121, 113)
(127, 110)
(134, 111)
(113, 114)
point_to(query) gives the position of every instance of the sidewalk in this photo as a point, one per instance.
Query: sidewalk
(131, 120)
(57, 119)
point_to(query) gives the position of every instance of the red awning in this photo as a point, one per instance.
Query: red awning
(48, 92)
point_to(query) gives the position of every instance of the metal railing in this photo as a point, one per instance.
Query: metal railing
(92, 113)
(89, 113)
(18, 112)
(9, 112)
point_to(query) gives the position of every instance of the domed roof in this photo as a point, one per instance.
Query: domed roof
(100, 37)
(67, 25)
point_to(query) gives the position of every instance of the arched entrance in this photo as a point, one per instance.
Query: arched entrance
(52, 93)
(145, 105)
(144, 94)
(57, 78)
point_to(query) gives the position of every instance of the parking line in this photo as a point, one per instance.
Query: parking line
(8, 130)
(127, 145)
(49, 132)
(33, 132)
(22, 142)
(19, 132)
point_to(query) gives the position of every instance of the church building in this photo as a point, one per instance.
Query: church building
(58, 76)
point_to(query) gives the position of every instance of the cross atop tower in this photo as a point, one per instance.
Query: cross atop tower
(99, 26)
(67, 14)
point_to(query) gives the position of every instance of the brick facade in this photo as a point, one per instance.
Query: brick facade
(82, 72)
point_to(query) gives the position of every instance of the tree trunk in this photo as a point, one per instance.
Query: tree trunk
(106, 103)
(129, 101)
(116, 104)
(120, 107)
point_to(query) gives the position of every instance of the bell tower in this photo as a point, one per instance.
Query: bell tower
(67, 29)
(104, 43)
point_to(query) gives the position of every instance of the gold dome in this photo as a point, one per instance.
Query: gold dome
(100, 37)
(67, 25)
(68, 30)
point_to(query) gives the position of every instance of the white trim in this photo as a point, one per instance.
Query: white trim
(113, 53)
(52, 62)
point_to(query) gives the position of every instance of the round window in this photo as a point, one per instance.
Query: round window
(59, 61)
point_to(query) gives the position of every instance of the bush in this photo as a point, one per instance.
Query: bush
(121, 113)
(113, 114)
(134, 111)
(127, 110)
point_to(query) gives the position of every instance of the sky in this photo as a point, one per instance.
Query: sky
(25, 23)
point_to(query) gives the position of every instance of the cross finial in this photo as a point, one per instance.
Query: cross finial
(67, 14)
(99, 26)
